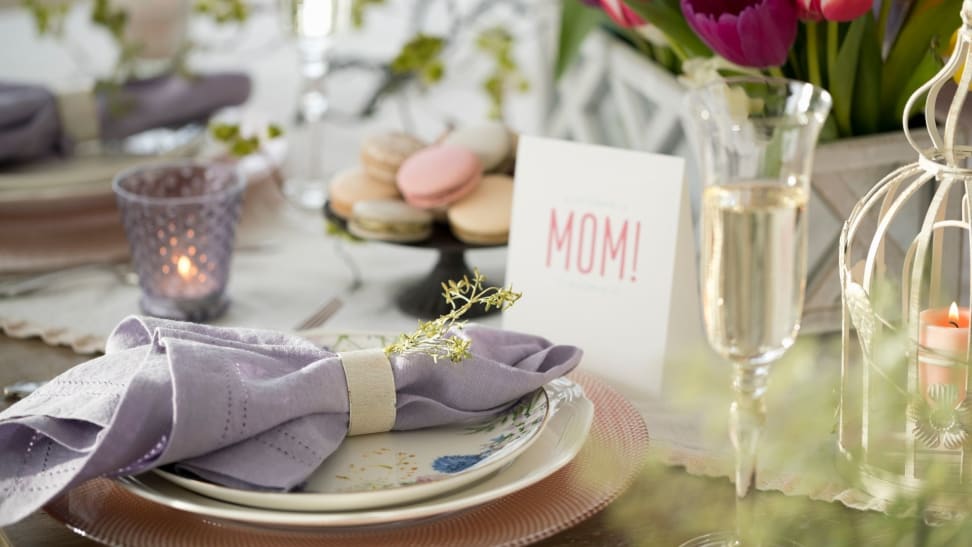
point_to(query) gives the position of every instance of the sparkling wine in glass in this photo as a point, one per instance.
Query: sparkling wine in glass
(313, 25)
(755, 139)
(754, 253)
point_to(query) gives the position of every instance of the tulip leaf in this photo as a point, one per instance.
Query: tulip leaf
(576, 21)
(671, 22)
(929, 23)
(866, 109)
(829, 130)
(928, 66)
(672, 4)
(842, 75)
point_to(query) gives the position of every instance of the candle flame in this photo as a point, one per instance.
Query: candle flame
(184, 267)
(953, 313)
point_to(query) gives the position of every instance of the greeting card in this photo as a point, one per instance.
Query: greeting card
(601, 245)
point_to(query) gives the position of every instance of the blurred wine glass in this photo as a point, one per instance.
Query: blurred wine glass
(313, 25)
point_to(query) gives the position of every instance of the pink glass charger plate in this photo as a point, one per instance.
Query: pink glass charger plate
(104, 511)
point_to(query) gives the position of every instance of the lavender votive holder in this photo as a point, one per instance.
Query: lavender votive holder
(180, 219)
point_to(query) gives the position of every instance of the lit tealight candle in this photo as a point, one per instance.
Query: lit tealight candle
(184, 267)
(944, 337)
(180, 220)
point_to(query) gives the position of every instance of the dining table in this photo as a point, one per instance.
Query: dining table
(288, 267)
(663, 505)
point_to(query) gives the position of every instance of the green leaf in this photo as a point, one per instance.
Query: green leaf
(843, 74)
(418, 55)
(576, 21)
(359, 9)
(671, 4)
(829, 131)
(224, 132)
(432, 72)
(930, 22)
(669, 19)
(866, 110)
(928, 66)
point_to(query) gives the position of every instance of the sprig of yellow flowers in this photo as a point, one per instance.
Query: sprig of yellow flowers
(433, 337)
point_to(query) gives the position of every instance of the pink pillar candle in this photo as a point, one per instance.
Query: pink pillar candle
(944, 338)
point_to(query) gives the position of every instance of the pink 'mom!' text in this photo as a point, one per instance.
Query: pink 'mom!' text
(593, 244)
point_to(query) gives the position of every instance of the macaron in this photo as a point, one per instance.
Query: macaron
(492, 142)
(439, 175)
(483, 217)
(390, 220)
(353, 185)
(383, 154)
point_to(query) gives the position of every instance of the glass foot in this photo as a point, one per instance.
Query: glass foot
(729, 539)
(197, 311)
(306, 194)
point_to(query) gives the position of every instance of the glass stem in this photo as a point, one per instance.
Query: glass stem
(746, 418)
(314, 66)
(313, 105)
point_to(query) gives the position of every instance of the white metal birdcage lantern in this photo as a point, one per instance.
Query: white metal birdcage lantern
(905, 421)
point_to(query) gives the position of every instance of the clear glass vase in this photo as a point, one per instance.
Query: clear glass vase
(755, 139)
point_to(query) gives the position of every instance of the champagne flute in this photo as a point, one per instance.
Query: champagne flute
(313, 25)
(755, 139)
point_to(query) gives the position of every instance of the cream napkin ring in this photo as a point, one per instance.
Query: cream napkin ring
(371, 391)
(78, 112)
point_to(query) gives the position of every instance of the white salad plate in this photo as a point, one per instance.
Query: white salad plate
(399, 467)
(568, 419)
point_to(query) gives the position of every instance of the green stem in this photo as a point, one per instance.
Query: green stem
(794, 64)
(775, 71)
(813, 59)
(677, 49)
(833, 41)
(663, 56)
(640, 43)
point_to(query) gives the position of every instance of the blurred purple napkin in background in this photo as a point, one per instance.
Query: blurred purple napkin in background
(244, 408)
(170, 100)
(31, 128)
(29, 123)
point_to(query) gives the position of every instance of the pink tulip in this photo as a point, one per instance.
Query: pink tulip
(621, 14)
(833, 10)
(755, 33)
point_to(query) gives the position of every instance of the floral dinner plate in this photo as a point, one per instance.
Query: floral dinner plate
(399, 467)
(571, 415)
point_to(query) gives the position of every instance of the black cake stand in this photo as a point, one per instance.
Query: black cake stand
(423, 299)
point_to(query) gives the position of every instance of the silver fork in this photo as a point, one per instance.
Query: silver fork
(322, 314)
(23, 285)
(332, 306)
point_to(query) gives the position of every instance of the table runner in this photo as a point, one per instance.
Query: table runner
(284, 269)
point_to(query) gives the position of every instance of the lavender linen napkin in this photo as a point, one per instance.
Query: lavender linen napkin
(245, 408)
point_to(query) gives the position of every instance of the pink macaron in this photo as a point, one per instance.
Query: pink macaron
(439, 175)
